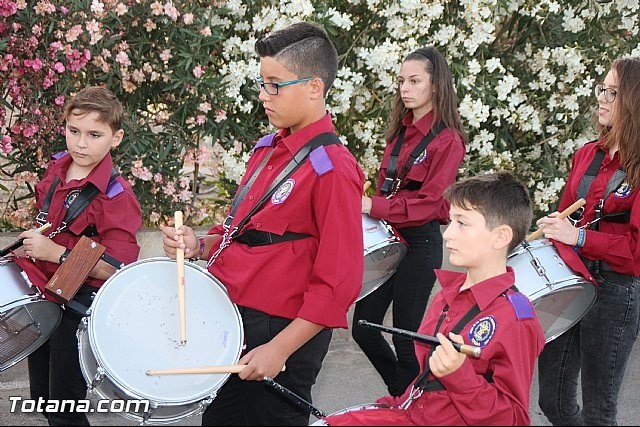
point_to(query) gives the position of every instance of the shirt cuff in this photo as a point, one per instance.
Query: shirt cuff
(380, 207)
(463, 379)
(594, 243)
(323, 311)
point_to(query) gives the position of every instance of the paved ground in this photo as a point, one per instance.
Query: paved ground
(346, 379)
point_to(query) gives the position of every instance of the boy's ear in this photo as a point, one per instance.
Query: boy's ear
(503, 234)
(117, 138)
(317, 88)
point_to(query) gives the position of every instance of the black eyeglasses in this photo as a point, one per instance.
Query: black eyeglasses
(609, 93)
(272, 88)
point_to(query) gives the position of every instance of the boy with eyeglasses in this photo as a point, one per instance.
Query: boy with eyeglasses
(291, 250)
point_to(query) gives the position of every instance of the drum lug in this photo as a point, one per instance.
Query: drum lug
(538, 267)
(148, 414)
(206, 402)
(97, 379)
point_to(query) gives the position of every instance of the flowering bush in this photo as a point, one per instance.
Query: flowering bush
(524, 72)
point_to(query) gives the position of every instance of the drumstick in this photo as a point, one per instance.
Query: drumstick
(181, 296)
(565, 213)
(15, 245)
(467, 349)
(222, 369)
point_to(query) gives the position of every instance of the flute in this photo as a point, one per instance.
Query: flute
(467, 349)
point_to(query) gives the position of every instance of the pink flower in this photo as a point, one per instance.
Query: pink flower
(7, 8)
(64, 10)
(59, 101)
(198, 71)
(59, 67)
(187, 18)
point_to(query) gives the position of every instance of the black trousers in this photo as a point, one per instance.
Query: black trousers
(409, 290)
(256, 403)
(54, 368)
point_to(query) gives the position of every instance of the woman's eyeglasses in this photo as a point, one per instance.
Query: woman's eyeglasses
(609, 93)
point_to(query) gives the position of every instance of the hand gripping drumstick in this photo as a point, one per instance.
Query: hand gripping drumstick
(562, 215)
(467, 349)
(15, 245)
(181, 296)
(221, 369)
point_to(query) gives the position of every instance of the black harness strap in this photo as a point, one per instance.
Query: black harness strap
(87, 194)
(324, 139)
(393, 181)
(423, 382)
(614, 183)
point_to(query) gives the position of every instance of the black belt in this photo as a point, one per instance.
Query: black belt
(260, 238)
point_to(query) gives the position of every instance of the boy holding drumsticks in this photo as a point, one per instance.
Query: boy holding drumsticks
(490, 215)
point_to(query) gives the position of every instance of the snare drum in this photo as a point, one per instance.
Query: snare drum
(383, 251)
(134, 326)
(27, 319)
(560, 296)
(366, 415)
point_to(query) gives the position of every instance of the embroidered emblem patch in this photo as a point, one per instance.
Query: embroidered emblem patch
(283, 192)
(71, 197)
(482, 331)
(623, 191)
(421, 157)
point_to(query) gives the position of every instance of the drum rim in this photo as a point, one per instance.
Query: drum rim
(211, 391)
(391, 241)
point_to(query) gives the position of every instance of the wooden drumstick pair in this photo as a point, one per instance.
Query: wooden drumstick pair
(565, 213)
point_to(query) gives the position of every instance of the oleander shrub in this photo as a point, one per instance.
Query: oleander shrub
(184, 70)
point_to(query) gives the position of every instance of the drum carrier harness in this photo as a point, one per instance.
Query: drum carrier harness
(583, 189)
(423, 383)
(86, 195)
(394, 178)
(256, 237)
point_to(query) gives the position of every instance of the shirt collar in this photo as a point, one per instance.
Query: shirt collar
(423, 125)
(295, 141)
(99, 176)
(484, 292)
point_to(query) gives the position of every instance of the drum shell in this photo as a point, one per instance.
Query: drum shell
(560, 296)
(27, 318)
(383, 252)
(134, 326)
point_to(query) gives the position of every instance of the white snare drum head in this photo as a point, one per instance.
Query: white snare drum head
(560, 296)
(134, 326)
(383, 252)
(27, 320)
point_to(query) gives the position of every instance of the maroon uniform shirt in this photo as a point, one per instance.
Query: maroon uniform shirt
(114, 212)
(616, 244)
(511, 339)
(315, 278)
(436, 169)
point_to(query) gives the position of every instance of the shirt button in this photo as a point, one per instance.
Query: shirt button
(448, 319)
(420, 406)
(605, 169)
(250, 197)
(269, 167)
(259, 225)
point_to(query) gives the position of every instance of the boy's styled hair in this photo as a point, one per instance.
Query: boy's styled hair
(499, 197)
(304, 49)
(96, 99)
